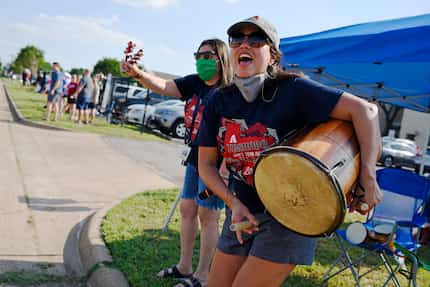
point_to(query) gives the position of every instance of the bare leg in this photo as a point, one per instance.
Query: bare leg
(189, 225)
(48, 110)
(80, 115)
(86, 112)
(257, 272)
(224, 269)
(56, 110)
(73, 112)
(209, 234)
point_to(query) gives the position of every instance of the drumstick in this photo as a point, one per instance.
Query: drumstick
(239, 226)
(364, 206)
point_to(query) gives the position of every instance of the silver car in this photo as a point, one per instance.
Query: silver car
(170, 119)
(136, 112)
(397, 153)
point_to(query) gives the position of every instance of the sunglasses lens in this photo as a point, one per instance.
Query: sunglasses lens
(255, 40)
(204, 55)
(236, 40)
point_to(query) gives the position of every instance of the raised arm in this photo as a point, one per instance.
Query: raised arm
(364, 117)
(152, 82)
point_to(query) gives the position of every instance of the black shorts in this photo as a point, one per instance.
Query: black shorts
(71, 100)
(91, 106)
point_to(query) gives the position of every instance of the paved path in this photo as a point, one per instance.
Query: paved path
(51, 180)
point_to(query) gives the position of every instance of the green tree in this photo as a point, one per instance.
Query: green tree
(108, 66)
(1, 69)
(45, 66)
(77, 71)
(28, 57)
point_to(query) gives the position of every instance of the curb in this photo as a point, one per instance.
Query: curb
(17, 116)
(95, 256)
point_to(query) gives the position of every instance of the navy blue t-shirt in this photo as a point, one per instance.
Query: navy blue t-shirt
(56, 76)
(194, 92)
(242, 130)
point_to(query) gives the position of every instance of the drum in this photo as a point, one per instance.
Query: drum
(303, 183)
(358, 233)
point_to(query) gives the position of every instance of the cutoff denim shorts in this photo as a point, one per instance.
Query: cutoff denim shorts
(193, 185)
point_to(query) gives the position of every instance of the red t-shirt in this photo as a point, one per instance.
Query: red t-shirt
(71, 88)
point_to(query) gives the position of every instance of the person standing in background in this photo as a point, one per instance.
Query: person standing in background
(213, 71)
(84, 93)
(55, 92)
(71, 97)
(92, 106)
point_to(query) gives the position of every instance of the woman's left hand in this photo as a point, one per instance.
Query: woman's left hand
(367, 193)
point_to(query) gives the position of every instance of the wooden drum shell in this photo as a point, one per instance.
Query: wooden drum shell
(331, 151)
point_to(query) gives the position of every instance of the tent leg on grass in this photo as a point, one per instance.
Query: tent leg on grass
(172, 210)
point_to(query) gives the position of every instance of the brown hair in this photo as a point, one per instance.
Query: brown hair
(220, 48)
(275, 70)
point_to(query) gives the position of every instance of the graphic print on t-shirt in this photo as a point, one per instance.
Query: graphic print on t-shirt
(241, 146)
(192, 129)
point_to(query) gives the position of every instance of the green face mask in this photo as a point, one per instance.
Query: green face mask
(206, 68)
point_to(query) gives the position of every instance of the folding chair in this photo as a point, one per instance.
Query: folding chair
(404, 197)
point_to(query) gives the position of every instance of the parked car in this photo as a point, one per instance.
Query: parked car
(169, 119)
(397, 153)
(137, 95)
(407, 142)
(136, 112)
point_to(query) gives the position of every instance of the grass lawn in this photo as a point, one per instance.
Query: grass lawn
(140, 249)
(30, 104)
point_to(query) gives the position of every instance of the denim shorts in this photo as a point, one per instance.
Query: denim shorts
(82, 103)
(54, 98)
(272, 242)
(193, 185)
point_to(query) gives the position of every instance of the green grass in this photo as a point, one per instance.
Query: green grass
(30, 104)
(140, 249)
(36, 278)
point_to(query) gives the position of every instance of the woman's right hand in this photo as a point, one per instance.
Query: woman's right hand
(239, 213)
(132, 70)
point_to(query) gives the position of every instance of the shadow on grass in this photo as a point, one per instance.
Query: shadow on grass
(142, 257)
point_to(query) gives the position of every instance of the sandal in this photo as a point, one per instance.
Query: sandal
(172, 272)
(189, 282)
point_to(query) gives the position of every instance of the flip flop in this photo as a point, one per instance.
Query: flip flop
(189, 282)
(172, 272)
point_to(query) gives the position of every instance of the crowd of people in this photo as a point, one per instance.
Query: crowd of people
(77, 95)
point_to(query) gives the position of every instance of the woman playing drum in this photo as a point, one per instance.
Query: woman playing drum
(262, 106)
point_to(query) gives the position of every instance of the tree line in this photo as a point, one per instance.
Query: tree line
(33, 58)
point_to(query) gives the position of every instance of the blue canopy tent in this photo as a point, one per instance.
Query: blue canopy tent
(386, 61)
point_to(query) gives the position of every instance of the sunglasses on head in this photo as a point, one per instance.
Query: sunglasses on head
(204, 55)
(255, 40)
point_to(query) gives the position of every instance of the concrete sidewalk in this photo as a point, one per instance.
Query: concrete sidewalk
(52, 180)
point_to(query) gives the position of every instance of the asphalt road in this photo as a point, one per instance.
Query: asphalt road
(161, 157)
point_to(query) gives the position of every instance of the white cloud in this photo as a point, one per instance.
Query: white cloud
(147, 3)
(73, 41)
(231, 1)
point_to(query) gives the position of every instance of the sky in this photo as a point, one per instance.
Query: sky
(79, 33)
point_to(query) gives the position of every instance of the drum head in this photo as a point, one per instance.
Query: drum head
(356, 233)
(298, 192)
